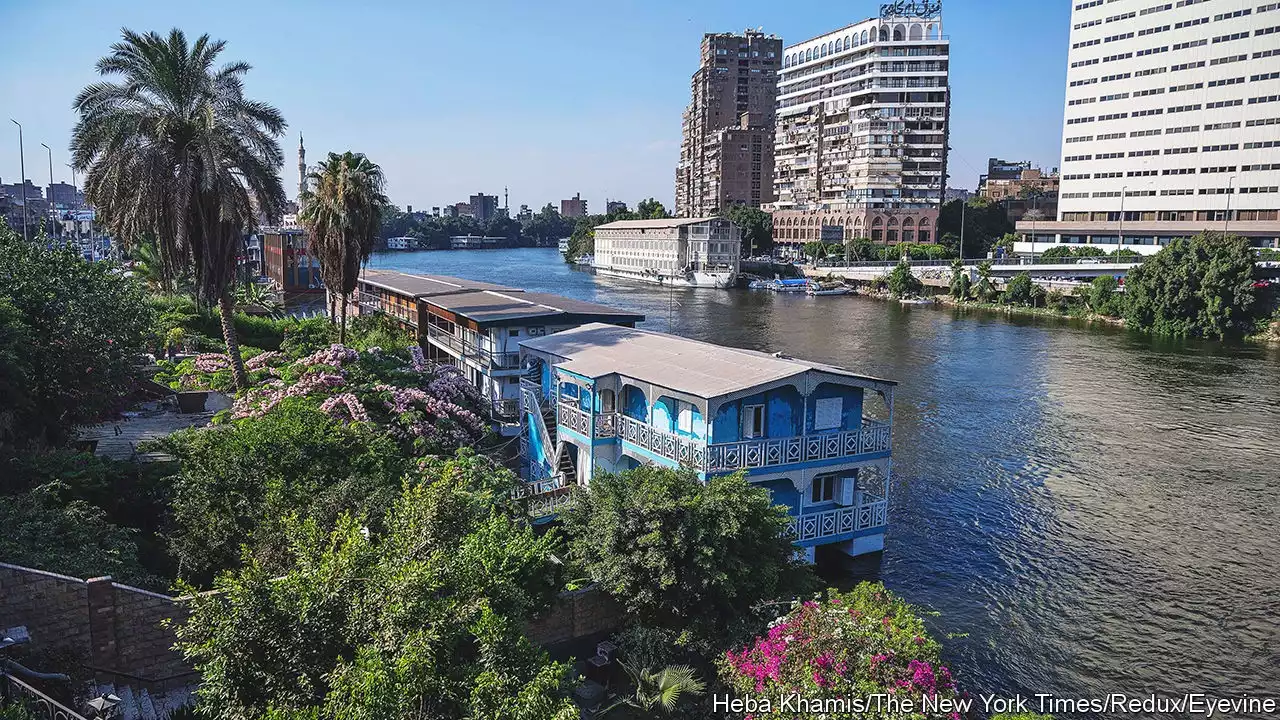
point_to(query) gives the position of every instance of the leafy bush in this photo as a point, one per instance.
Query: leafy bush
(853, 644)
(682, 555)
(304, 337)
(646, 647)
(1057, 251)
(70, 333)
(1103, 297)
(421, 615)
(902, 282)
(1202, 286)
(1018, 290)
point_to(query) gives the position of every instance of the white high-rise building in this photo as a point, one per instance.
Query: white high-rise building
(1172, 125)
(860, 148)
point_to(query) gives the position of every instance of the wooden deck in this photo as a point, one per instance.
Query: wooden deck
(119, 439)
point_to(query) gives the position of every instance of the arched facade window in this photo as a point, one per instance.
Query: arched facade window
(846, 42)
(908, 222)
(924, 222)
(893, 222)
(900, 32)
(786, 61)
(864, 37)
(877, 221)
(808, 55)
(825, 47)
(931, 31)
(884, 33)
(916, 32)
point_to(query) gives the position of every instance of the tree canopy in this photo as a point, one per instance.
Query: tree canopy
(985, 222)
(756, 226)
(1201, 286)
(681, 554)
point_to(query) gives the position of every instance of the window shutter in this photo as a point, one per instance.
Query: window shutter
(847, 486)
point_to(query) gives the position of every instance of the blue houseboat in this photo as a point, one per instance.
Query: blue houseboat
(604, 398)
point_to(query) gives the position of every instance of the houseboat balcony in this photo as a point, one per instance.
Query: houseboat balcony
(872, 438)
(840, 521)
(486, 358)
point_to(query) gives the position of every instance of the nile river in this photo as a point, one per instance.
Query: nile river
(1088, 510)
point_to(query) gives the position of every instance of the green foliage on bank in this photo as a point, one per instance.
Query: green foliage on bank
(1203, 286)
(902, 282)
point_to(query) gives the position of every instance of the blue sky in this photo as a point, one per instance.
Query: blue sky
(547, 98)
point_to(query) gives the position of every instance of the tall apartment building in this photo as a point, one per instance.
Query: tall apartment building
(726, 147)
(483, 206)
(860, 148)
(1172, 125)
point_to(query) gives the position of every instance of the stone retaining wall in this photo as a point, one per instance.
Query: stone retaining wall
(576, 614)
(103, 624)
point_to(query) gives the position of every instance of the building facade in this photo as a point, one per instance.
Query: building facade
(477, 326)
(1171, 125)
(574, 207)
(860, 148)
(1029, 193)
(286, 260)
(695, 252)
(483, 206)
(726, 147)
(602, 398)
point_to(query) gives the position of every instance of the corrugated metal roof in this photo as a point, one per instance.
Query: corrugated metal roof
(670, 361)
(426, 285)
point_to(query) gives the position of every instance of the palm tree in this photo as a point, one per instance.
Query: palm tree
(343, 215)
(959, 280)
(661, 690)
(174, 150)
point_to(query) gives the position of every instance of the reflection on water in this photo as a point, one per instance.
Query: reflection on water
(1095, 509)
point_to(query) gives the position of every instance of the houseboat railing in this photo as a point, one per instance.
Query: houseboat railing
(531, 396)
(841, 521)
(570, 416)
(872, 437)
(506, 408)
(488, 358)
(549, 503)
(38, 705)
(539, 487)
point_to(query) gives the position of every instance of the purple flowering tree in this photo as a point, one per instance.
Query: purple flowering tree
(851, 645)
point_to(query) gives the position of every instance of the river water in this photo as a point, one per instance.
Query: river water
(1087, 510)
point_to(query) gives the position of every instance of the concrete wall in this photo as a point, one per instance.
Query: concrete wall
(576, 614)
(101, 623)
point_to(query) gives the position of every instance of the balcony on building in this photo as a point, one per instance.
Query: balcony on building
(602, 398)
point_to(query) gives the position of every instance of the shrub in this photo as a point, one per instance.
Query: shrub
(70, 334)
(849, 645)
(682, 555)
(902, 282)
(1103, 297)
(1018, 290)
(1201, 286)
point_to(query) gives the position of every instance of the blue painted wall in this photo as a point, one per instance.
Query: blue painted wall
(851, 412)
(727, 424)
(635, 405)
(784, 413)
(784, 493)
(664, 414)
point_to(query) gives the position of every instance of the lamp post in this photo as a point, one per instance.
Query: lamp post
(1231, 188)
(1120, 244)
(963, 203)
(75, 205)
(52, 210)
(22, 165)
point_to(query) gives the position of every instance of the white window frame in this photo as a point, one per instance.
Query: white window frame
(748, 422)
(824, 487)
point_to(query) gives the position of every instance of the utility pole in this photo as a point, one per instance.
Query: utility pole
(22, 164)
(1226, 219)
(963, 203)
(1120, 245)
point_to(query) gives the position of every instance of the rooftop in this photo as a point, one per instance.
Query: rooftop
(674, 362)
(657, 223)
(426, 285)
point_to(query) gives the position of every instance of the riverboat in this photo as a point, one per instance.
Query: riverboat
(797, 285)
(681, 252)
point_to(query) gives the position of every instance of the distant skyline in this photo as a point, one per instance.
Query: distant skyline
(547, 99)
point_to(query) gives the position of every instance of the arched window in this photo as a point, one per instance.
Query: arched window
(877, 221)
(786, 61)
(893, 222)
(857, 222)
(900, 32)
(908, 222)
(824, 48)
(884, 33)
(808, 54)
(846, 42)
(924, 222)
(864, 37)
(916, 33)
(931, 31)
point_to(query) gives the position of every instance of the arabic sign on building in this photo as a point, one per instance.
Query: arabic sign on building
(912, 8)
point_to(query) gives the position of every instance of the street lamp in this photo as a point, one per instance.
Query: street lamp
(52, 210)
(1231, 188)
(1120, 244)
(22, 165)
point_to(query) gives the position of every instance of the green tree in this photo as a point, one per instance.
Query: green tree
(1058, 251)
(1103, 296)
(659, 690)
(342, 212)
(814, 250)
(1201, 286)
(1018, 290)
(71, 332)
(679, 554)
(985, 222)
(757, 228)
(903, 282)
(651, 209)
(859, 248)
(1087, 251)
(176, 152)
(419, 614)
(959, 280)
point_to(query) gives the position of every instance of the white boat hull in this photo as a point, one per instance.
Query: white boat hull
(692, 279)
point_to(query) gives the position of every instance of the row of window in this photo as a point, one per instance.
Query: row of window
(1173, 192)
(1176, 109)
(1222, 147)
(1172, 88)
(1174, 171)
(897, 34)
(1179, 46)
(1161, 28)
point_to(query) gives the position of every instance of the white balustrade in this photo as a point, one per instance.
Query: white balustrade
(841, 521)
